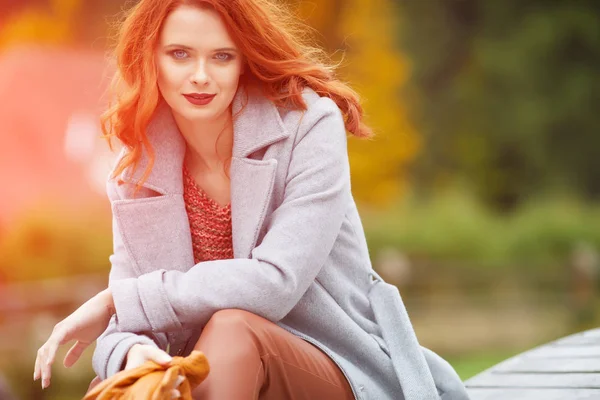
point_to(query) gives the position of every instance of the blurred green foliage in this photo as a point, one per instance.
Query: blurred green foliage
(468, 366)
(504, 93)
(455, 226)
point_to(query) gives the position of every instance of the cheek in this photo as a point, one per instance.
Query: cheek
(170, 77)
(229, 77)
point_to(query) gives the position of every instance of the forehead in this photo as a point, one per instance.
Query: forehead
(195, 27)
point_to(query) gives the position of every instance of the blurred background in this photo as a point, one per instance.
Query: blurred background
(480, 194)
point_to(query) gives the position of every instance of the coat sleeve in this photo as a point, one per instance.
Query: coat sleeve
(301, 234)
(113, 345)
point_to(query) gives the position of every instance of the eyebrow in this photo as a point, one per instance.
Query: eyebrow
(191, 48)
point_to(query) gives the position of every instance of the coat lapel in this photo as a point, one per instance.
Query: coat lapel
(257, 124)
(251, 190)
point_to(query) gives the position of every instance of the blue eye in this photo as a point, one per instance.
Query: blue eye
(225, 58)
(179, 54)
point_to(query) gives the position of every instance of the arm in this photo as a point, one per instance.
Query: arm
(113, 345)
(301, 234)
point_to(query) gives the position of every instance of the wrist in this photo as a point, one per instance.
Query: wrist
(130, 351)
(124, 363)
(109, 302)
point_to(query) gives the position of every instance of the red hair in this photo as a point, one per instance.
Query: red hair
(279, 57)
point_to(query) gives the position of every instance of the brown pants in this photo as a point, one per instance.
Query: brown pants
(252, 358)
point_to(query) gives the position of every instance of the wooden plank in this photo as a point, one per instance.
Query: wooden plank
(564, 365)
(568, 368)
(563, 352)
(577, 341)
(581, 338)
(523, 380)
(592, 333)
(534, 394)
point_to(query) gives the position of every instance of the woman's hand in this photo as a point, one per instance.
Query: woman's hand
(84, 325)
(138, 354)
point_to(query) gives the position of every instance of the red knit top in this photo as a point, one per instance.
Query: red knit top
(210, 223)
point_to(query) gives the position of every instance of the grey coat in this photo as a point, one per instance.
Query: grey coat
(300, 255)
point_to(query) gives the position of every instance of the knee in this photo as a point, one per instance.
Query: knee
(229, 320)
(230, 331)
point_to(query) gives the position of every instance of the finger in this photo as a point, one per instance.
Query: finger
(157, 355)
(36, 368)
(46, 368)
(48, 356)
(175, 394)
(179, 380)
(133, 362)
(74, 353)
(41, 365)
(39, 361)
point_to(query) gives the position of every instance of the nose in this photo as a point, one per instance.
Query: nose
(200, 75)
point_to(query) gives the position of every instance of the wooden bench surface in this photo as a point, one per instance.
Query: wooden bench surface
(566, 369)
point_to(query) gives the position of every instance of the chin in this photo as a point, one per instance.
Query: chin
(205, 113)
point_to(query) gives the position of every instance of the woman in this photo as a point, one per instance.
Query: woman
(242, 239)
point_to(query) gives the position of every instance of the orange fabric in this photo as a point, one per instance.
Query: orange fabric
(152, 381)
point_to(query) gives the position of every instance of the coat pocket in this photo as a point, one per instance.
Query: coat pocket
(154, 232)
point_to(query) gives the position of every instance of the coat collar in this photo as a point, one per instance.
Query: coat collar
(257, 124)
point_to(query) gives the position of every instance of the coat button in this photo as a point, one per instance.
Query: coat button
(361, 388)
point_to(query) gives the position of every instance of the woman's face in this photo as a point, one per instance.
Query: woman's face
(196, 56)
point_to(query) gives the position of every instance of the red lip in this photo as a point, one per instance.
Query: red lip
(200, 95)
(199, 99)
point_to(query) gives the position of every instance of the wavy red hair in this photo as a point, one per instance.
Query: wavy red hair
(279, 55)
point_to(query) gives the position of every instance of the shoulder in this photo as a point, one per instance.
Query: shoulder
(119, 189)
(320, 110)
(319, 106)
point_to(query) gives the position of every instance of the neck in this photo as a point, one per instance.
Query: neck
(209, 144)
